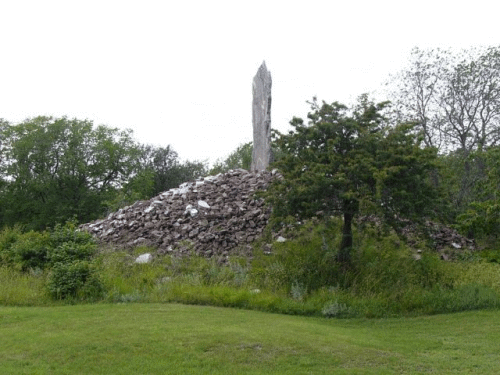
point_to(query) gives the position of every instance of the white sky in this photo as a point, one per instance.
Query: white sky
(180, 72)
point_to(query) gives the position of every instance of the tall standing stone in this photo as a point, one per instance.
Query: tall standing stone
(261, 117)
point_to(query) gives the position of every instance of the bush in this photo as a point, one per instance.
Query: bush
(335, 309)
(126, 280)
(439, 300)
(71, 251)
(65, 251)
(301, 276)
(69, 233)
(40, 250)
(74, 279)
(8, 236)
(22, 288)
(30, 250)
(478, 272)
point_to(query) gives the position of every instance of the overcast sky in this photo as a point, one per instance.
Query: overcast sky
(180, 72)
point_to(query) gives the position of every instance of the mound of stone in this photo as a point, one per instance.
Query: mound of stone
(215, 216)
(218, 216)
(446, 241)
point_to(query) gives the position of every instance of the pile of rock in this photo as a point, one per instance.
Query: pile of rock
(215, 216)
(448, 242)
(221, 215)
(445, 240)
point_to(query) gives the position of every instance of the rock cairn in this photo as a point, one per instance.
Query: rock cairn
(215, 216)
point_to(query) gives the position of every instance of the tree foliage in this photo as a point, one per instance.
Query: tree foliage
(482, 216)
(59, 168)
(164, 170)
(158, 169)
(239, 158)
(346, 162)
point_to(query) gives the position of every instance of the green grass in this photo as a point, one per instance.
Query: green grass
(22, 289)
(178, 339)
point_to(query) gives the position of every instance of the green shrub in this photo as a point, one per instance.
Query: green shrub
(471, 297)
(30, 250)
(334, 309)
(69, 233)
(74, 279)
(482, 272)
(123, 277)
(439, 300)
(384, 265)
(72, 274)
(8, 236)
(300, 276)
(125, 280)
(71, 251)
(39, 250)
(491, 255)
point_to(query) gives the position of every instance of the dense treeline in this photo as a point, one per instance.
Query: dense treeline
(56, 169)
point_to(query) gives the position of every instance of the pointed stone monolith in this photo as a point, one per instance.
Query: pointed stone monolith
(261, 118)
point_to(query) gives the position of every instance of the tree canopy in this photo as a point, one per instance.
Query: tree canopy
(164, 169)
(55, 169)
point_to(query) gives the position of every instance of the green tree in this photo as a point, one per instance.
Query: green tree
(481, 219)
(239, 158)
(166, 170)
(170, 172)
(183, 172)
(158, 169)
(153, 174)
(59, 168)
(344, 163)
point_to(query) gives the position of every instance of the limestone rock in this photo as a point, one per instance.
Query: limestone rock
(144, 258)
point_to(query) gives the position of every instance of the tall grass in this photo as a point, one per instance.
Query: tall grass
(300, 276)
(22, 289)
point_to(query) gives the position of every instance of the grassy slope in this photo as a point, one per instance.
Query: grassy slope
(178, 339)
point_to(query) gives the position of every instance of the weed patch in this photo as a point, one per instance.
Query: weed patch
(300, 276)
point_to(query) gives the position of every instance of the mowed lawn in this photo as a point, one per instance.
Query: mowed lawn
(179, 339)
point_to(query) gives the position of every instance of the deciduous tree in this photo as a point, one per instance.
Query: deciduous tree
(239, 158)
(60, 168)
(454, 97)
